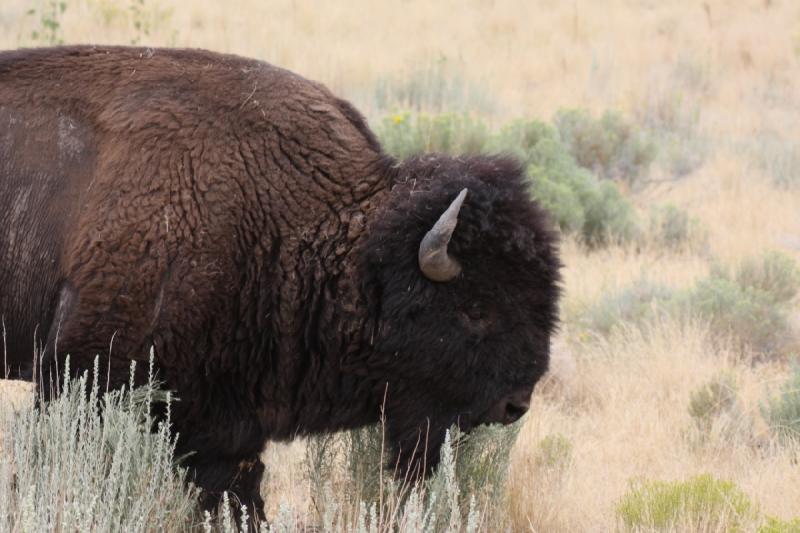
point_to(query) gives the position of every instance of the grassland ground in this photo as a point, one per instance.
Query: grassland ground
(714, 85)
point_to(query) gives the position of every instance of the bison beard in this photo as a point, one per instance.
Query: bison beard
(292, 278)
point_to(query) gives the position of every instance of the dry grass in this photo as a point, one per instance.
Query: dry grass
(727, 70)
(743, 213)
(533, 57)
(13, 396)
(625, 410)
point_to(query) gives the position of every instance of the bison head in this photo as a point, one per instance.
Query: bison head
(464, 272)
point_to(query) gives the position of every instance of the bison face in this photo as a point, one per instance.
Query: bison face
(465, 273)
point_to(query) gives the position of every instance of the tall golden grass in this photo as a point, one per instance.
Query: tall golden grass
(733, 66)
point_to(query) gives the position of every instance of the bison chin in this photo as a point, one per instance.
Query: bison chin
(417, 447)
(416, 450)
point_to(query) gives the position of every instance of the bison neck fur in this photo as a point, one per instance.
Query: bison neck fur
(244, 223)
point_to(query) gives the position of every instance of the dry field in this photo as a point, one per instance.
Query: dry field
(733, 66)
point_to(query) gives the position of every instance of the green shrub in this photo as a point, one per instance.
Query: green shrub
(352, 460)
(782, 412)
(579, 203)
(701, 503)
(465, 493)
(594, 210)
(712, 399)
(610, 218)
(346, 473)
(437, 504)
(717, 415)
(404, 134)
(776, 525)
(482, 465)
(535, 143)
(751, 303)
(553, 453)
(750, 317)
(556, 181)
(76, 467)
(560, 199)
(69, 466)
(672, 228)
(634, 305)
(774, 274)
(609, 146)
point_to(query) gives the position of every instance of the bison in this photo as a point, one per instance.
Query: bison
(290, 276)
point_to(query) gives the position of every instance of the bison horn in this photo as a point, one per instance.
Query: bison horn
(434, 261)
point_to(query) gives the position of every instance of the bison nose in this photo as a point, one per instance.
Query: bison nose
(514, 410)
(509, 409)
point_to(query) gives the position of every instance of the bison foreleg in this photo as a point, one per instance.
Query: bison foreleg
(239, 477)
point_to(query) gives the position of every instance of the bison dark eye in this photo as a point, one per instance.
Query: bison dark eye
(475, 311)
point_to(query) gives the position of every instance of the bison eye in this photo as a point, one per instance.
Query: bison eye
(475, 311)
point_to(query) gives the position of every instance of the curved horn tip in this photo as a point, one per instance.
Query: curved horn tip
(456, 205)
(434, 260)
(460, 198)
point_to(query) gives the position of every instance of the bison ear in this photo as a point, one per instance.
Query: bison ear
(434, 261)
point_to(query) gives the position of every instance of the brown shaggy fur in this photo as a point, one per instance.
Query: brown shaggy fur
(245, 223)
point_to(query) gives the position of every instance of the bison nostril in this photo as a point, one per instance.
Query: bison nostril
(514, 412)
